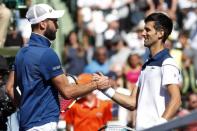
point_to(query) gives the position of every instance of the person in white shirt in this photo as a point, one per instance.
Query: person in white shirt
(157, 95)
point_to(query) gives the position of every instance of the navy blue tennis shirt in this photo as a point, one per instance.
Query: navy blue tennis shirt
(35, 65)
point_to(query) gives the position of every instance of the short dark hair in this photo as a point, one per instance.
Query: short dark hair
(162, 22)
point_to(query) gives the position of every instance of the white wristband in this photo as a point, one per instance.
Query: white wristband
(109, 92)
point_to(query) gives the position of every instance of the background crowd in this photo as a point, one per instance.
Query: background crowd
(107, 38)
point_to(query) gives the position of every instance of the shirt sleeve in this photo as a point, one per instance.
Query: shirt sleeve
(50, 65)
(171, 73)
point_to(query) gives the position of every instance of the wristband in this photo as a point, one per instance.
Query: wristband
(109, 92)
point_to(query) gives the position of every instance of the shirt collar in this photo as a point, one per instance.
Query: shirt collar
(159, 54)
(39, 40)
(95, 105)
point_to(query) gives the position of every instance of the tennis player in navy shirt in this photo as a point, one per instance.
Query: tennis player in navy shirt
(38, 73)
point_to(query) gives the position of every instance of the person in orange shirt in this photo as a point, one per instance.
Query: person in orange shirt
(88, 114)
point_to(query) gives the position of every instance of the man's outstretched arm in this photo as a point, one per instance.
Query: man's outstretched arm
(128, 102)
(70, 91)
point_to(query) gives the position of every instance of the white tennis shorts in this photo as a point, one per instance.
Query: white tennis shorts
(52, 126)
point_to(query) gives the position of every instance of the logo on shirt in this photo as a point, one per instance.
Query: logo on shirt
(56, 67)
(175, 75)
(50, 10)
(99, 114)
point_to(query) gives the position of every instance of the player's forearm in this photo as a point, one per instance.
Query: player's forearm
(125, 101)
(10, 85)
(174, 103)
(10, 93)
(71, 91)
(78, 90)
(172, 107)
(10, 89)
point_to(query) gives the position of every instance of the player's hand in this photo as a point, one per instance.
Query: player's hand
(103, 82)
(99, 76)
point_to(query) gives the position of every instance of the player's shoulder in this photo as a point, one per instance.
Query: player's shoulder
(49, 52)
(170, 61)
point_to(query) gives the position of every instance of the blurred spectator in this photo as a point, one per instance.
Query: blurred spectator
(175, 52)
(14, 37)
(112, 33)
(189, 79)
(189, 60)
(188, 9)
(192, 56)
(140, 9)
(22, 23)
(132, 70)
(88, 114)
(192, 105)
(122, 52)
(103, 17)
(121, 8)
(91, 16)
(135, 39)
(5, 16)
(168, 6)
(100, 62)
(74, 55)
(88, 46)
(6, 105)
(193, 34)
(72, 8)
(113, 29)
